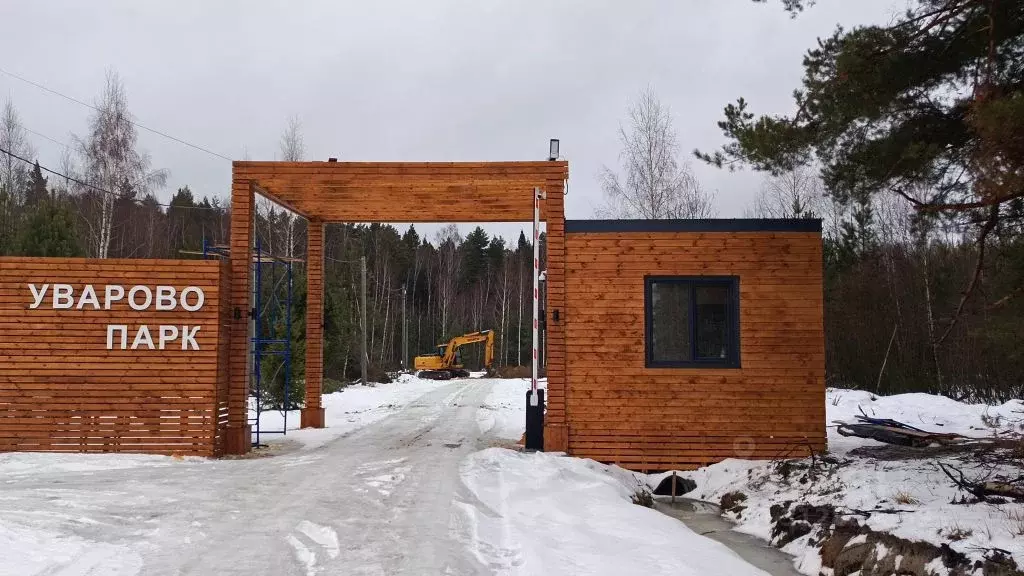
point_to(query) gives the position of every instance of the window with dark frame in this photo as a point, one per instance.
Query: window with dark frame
(692, 321)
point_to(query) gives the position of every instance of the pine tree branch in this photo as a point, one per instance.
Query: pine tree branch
(986, 229)
(992, 202)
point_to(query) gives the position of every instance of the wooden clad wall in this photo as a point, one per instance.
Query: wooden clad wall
(312, 415)
(404, 191)
(63, 388)
(661, 418)
(555, 434)
(238, 435)
(223, 357)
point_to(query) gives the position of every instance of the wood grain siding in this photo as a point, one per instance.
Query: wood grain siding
(223, 358)
(238, 438)
(313, 413)
(404, 191)
(620, 411)
(65, 387)
(555, 434)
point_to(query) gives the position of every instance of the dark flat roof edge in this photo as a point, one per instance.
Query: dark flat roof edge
(701, 225)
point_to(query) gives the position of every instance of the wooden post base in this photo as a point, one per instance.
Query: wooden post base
(556, 438)
(312, 417)
(237, 440)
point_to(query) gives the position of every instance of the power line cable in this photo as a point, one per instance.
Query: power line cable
(44, 136)
(133, 123)
(94, 187)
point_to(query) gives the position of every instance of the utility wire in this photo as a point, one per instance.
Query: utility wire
(96, 188)
(44, 136)
(133, 123)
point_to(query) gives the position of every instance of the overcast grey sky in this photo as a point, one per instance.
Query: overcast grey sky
(413, 80)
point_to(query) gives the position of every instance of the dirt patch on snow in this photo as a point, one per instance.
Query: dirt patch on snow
(848, 547)
(733, 502)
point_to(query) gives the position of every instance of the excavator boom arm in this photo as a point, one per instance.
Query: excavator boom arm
(471, 338)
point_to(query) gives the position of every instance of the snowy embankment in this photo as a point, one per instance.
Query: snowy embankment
(892, 490)
(348, 410)
(546, 514)
(503, 413)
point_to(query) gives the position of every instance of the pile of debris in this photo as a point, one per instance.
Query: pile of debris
(986, 489)
(898, 433)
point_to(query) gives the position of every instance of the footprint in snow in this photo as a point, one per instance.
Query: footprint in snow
(320, 539)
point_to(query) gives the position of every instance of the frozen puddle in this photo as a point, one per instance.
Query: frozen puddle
(705, 519)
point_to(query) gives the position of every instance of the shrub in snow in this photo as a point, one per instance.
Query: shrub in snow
(643, 497)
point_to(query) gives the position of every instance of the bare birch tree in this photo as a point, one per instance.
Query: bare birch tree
(112, 162)
(448, 241)
(293, 145)
(794, 194)
(13, 173)
(293, 149)
(654, 183)
(504, 288)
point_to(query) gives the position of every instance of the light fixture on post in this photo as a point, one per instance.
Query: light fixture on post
(553, 149)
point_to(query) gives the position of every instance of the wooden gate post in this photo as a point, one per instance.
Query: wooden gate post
(556, 429)
(238, 435)
(312, 415)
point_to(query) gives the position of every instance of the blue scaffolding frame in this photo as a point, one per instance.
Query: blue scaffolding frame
(269, 308)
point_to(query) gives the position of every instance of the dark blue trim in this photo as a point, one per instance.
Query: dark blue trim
(733, 360)
(709, 225)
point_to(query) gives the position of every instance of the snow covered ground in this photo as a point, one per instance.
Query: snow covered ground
(914, 485)
(348, 410)
(403, 481)
(503, 413)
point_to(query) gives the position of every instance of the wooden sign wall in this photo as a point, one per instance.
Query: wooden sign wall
(111, 355)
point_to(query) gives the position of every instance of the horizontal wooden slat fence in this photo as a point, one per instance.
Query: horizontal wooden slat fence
(66, 385)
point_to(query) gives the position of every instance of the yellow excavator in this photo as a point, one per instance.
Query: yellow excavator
(446, 363)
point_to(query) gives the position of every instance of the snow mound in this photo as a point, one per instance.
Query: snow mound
(544, 514)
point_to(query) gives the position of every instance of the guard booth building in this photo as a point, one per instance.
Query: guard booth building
(691, 341)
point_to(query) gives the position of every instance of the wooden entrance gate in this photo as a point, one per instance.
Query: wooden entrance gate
(415, 192)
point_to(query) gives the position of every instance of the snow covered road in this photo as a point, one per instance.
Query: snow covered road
(402, 495)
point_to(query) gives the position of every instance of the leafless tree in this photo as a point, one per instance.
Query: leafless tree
(654, 184)
(448, 241)
(503, 289)
(293, 146)
(293, 149)
(519, 319)
(794, 194)
(112, 162)
(63, 185)
(13, 172)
